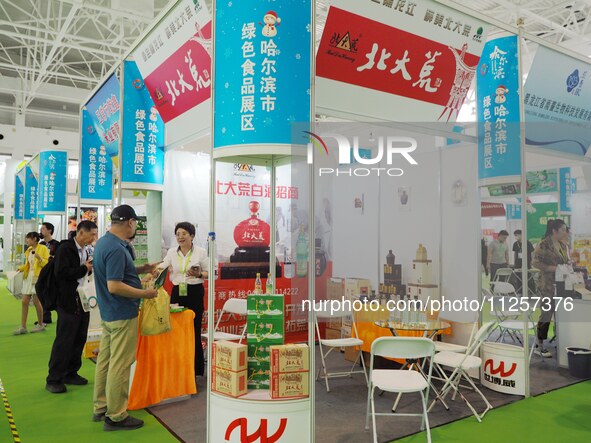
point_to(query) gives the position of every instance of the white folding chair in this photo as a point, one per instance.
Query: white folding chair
(399, 380)
(441, 346)
(461, 363)
(236, 306)
(323, 312)
(503, 275)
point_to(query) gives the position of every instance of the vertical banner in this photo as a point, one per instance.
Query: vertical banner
(31, 189)
(262, 68)
(104, 108)
(175, 61)
(19, 196)
(513, 212)
(96, 167)
(566, 190)
(142, 163)
(497, 86)
(53, 178)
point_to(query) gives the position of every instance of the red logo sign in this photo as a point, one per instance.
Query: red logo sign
(260, 435)
(183, 80)
(488, 366)
(363, 52)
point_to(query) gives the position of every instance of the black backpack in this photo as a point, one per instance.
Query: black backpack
(46, 286)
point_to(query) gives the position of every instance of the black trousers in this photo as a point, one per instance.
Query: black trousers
(66, 353)
(194, 301)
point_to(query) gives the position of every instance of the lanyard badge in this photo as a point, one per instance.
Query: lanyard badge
(183, 268)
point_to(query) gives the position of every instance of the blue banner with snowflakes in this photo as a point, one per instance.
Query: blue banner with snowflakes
(566, 190)
(143, 135)
(262, 71)
(31, 188)
(96, 166)
(53, 182)
(19, 195)
(497, 94)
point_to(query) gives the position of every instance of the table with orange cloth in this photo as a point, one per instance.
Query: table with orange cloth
(165, 364)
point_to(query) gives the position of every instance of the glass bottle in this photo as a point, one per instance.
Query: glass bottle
(269, 285)
(258, 286)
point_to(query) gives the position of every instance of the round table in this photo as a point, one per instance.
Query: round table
(429, 329)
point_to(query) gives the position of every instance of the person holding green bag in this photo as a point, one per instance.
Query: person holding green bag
(189, 266)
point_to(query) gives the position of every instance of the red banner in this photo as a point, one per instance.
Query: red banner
(183, 80)
(492, 209)
(364, 52)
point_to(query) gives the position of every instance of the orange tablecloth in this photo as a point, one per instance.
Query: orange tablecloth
(368, 332)
(165, 364)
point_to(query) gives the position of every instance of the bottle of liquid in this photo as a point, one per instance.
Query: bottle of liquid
(302, 254)
(390, 258)
(258, 286)
(269, 285)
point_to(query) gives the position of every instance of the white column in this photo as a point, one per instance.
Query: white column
(9, 172)
(154, 216)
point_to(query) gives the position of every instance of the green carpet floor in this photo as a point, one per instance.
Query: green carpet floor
(42, 417)
(559, 416)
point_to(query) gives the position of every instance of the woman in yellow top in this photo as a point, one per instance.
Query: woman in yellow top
(36, 256)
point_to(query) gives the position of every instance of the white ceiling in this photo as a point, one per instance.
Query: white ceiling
(54, 52)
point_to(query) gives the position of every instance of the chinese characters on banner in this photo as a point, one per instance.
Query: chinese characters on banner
(557, 103)
(175, 59)
(143, 135)
(19, 196)
(96, 166)
(53, 176)
(499, 147)
(104, 108)
(262, 72)
(419, 53)
(566, 190)
(31, 189)
(242, 189)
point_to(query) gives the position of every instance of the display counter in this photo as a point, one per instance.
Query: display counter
(165, 364)
(573, 328)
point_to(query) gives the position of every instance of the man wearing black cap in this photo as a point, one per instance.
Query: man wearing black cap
(119, 292)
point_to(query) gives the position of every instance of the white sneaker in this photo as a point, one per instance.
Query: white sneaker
(19, 331)
(38, 328)
(542, 352)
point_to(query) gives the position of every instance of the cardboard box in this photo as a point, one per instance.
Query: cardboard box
(265, 306)
(259, 352)
(422, 292)
(229, 355)
(354, 287)
(290, 384)
(259, 375)
(335, 323)
(290, 358)
(228, 382)
(270, 330)
(332, 334)
(351, 354)
(335, 289)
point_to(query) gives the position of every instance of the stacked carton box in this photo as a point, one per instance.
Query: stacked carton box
(229, 368)
(290, 366)
(93, 341)
(265, 327)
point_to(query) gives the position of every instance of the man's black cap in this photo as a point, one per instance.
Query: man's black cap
(123, 212)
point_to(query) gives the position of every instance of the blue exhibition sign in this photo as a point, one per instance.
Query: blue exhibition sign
(499, 147)
(263, 71)
(31, 189)
(104, 109)
(53, 182)
(513, 211)
(558, 103)
(19, 196)
(96, 166)
(566, 190)
(143, 135)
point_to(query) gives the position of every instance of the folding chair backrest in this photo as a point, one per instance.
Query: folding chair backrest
(235, 306)
(480, 336)
(327, 310)
(503, 273)
(403, 347)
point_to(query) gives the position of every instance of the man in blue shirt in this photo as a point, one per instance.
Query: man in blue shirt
(119, 291)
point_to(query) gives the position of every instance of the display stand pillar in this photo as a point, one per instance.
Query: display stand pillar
(154, 220)
(9, 172)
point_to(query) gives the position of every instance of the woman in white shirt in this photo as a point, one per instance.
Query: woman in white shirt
(189, 265)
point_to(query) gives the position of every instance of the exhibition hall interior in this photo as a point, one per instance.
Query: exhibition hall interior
(336, 221)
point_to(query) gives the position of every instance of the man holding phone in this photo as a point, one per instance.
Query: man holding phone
(190, 266)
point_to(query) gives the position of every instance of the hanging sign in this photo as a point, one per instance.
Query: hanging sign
(262, 71)
(53, 177)
(566, 190)
(557, 103)
(31, 189)
(497, 85)
(19, 196)
(541, 182)
(96, 166)
(537, 219)
(143, 135)
(104, 108)
(175, 61)
(423, 55)
(513, 212)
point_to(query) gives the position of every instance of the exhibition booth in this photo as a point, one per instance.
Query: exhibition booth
(342, 177)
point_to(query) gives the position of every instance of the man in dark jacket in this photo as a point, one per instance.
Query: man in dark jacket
(72, 264)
